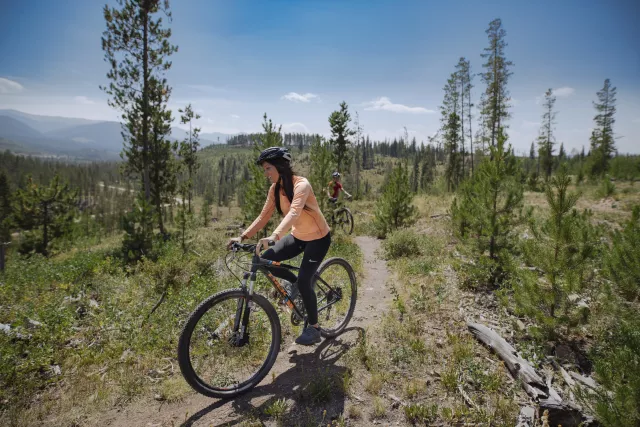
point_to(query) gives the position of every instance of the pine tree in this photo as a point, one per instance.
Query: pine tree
(415, 175)
(546, 140)
(136, 47)
(340, 134)
(452, 131)
(562, 155)
(496, 76)
(322, 164)
(45, 213)
(490, 205)
(463, 76)
(257, 188)
(453, 171)
(602, 137)
(189, 148)
(563, 246)
(395, 209)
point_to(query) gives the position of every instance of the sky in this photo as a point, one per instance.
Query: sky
(297, 60)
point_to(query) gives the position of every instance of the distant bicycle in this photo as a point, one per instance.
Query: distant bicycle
(231, 341)
(341, 217)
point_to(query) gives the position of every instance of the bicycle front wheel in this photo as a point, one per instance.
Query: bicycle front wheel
(344, 219)
(215, 358)
(337, 291)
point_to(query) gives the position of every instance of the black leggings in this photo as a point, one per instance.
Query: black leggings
(314, 252)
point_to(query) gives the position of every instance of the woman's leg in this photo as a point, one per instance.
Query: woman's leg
(314, 253)
(284, 249)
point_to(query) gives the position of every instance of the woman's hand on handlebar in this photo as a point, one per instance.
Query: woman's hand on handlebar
(265, 243)
(232, 241)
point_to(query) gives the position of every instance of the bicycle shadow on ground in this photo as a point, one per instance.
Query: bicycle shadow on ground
(315, 383)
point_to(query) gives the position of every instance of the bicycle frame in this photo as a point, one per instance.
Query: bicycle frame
(261, 265)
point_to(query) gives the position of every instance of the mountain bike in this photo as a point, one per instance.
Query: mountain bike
(341, 217)
(231, 340)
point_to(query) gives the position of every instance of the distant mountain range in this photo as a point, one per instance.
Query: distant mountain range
(72, 138)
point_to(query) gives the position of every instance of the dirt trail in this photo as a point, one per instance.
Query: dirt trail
(295, 367)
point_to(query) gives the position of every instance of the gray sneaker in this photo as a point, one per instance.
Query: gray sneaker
(309, 336)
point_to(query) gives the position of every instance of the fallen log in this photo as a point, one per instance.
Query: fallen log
(519, 368)
(560, 412)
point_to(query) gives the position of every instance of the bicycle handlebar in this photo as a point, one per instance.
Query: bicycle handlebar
(247, 247)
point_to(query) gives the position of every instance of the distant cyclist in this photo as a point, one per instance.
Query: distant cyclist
(334, 188)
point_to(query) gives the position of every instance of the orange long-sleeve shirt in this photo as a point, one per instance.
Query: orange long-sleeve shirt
(305, 224)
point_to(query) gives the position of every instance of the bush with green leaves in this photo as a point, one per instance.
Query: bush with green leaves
(401, 243)
(395, 207)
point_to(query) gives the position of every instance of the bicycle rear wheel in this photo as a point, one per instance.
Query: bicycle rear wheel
(337, 291)
(344, 220)
(214, 359)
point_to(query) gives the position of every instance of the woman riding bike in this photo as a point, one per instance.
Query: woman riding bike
(334, 188)
(293, 197)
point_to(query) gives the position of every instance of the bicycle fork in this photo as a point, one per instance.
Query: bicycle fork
(243, 310)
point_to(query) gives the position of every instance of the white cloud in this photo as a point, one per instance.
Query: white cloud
(564, 91)
(384, 104)
(235, 116)
(296, 97)
(295, 128)
(83, 100)
(9, 86)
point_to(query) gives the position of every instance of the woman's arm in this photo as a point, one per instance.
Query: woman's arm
(263, 218)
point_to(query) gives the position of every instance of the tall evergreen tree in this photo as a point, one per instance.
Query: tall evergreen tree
(496, 75)
(137, 48)
(340, 134)
(602, 138)
(463, 76)
(452, 131)
(189, 148)
(546, 139)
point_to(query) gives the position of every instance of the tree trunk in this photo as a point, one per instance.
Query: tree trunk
(146, 115)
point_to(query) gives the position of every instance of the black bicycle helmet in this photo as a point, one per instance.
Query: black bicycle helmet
(274, 153)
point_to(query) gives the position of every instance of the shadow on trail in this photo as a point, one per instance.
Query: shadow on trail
(315, 383)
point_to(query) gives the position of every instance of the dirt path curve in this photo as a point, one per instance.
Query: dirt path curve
(295, 369)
